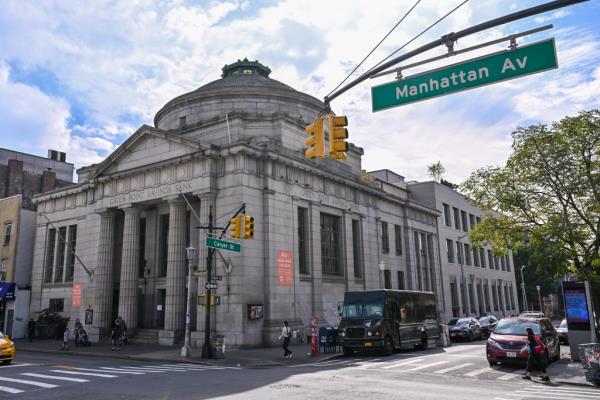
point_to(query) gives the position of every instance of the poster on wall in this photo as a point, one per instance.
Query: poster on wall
(76, 295)
(285, 272)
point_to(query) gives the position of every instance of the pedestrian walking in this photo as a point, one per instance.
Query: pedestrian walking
(116, 335)
(78, 326)
(536, 359)
(65, 345)
(123, 330)
(286, 334)
(31, 329)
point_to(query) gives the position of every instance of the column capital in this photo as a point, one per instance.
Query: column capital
(205, 195)
(176, 198)
(106, 211)
(130, 207)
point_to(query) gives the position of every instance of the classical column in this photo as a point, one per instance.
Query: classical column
(176, 268)
(103, 276)
(130, 267)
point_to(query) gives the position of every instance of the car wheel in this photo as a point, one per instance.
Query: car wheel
(6, 362)
(424, 341)
(492, 363)
(347, 351)
(470, 338)
(388, 346)
(556, 356)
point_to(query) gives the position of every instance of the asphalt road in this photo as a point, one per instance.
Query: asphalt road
(458, 372)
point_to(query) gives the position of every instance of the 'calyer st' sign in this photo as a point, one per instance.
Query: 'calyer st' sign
(509, 64)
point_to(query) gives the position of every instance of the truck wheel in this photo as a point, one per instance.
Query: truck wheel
(347, 351)
(388, 346)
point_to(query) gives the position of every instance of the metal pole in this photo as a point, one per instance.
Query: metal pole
(454, 36)
(523, 290)
(186, 350)
(207, 348)
(539, 297)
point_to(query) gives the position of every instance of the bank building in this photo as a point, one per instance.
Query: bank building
(114, 244)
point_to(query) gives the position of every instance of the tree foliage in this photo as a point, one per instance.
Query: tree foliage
(549, 193)
(436, 170)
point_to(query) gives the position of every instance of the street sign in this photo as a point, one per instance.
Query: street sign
(497, 67)
(217, 277)
(222, 245)
(210, 286)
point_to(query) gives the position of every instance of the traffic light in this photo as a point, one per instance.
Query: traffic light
(236, 227)
(248, 227)
(316, 139)
(337, 136)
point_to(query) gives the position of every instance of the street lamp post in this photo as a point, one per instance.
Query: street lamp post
(539, 297)
(381, 269)
(523, 290)
(186, 350)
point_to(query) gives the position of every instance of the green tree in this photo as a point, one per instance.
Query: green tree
(436, 170)
(548, 192)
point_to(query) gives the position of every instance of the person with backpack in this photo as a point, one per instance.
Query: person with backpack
(536, 360)
(286, 334)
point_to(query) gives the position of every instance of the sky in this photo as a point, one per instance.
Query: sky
(81, 76)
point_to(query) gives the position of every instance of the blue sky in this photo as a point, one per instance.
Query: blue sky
(81, 77)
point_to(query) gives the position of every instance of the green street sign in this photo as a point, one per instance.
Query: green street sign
(222, 245)
(497, 67)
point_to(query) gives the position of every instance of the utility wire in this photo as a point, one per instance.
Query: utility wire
(375, 48)
(416, 37)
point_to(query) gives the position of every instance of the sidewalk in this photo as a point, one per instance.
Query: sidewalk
(252, 357)
(568, 372)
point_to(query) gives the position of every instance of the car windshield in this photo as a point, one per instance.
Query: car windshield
(484, 320)
(456, 321)
(1, 335)
(363, 309)
(508, 327)
(563, 324)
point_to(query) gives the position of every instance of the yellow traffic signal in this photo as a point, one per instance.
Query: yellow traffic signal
(248, 227)
(316, 139)
(337, 136)
(236, 227)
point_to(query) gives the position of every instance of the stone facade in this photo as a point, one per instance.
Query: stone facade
(476, 282)
(238, 140)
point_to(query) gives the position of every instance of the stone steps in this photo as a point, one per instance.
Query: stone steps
(145, 336)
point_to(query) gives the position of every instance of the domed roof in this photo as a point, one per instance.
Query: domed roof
(247, 79)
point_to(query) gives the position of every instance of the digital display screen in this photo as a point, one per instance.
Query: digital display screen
(576, 306)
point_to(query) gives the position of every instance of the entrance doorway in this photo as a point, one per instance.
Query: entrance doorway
(160, 308)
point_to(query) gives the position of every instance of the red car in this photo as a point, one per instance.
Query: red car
(507, 343)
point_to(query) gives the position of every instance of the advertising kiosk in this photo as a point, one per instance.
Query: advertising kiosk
(581, 318)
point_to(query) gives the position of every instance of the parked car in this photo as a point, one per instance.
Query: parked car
(508, 341)
(488, 323)
(563, 332)
(7, 349)
(464, 328)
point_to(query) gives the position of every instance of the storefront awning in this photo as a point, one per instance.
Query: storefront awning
(7, 291)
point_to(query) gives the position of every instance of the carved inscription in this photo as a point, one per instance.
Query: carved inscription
(150, 193)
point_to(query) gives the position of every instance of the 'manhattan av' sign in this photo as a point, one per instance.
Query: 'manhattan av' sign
(497, 67)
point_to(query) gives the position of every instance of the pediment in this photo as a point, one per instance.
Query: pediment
(145, 147)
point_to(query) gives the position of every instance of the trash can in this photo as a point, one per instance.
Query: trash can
(327, 339)
(218, 345)
(589, 354)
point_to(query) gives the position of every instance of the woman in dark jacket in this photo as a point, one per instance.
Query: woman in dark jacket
(536, 360)
(117, 332)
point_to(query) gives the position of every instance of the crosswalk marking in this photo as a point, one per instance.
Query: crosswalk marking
(401, 363)
(155, 369)
(83, 373)
(10, 390)
(478, 371)
(459, 366)
(116, 371)
(26, 382)
(552, 393)
(59, 378)
(510, 375)
(427, 366)
(110, 369)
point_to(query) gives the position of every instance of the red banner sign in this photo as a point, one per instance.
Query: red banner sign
(285, 272)
(314, 337)
(76, 295)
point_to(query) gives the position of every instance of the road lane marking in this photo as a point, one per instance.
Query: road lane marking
(115, 371)
(401, 363)
(459, 366)
(558, 396)
(16, 365)
(165, 369)
(479, 371)
(26, 382)
(83, 373)
(134, 369)
(60, 378)
(10, 390)
(427, 366)
(511, 375)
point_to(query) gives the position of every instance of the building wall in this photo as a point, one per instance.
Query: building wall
(9, 214)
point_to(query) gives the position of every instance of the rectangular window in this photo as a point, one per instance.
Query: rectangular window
(471, 221)
(142, 253)
(476, 257)
(477, 220)
(356, 247)
(490, 259)
(463, 294)
(450, 250)
(512, 299)
(495, 297)
(330, 245)
(303, 240)
(459, 253)
(456, 217)
(163, 240)
(385, 240)
(468, 254)
(50, 245)
(387, 279)
(482, 257)
(60, 255)
(454, 299)
(463, 219)
(7, 233)
(418, 257)
(472, 298)
(71, 248)
(401, 280)
(500, 297)
(486, 296)
(398, 238)
(56, 305)
(506, 299)
(497, 262)
(508, 263)
(3, 269)
(447, 216)
(502, 263)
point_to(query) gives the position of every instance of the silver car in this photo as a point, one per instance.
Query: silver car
(563, 332)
